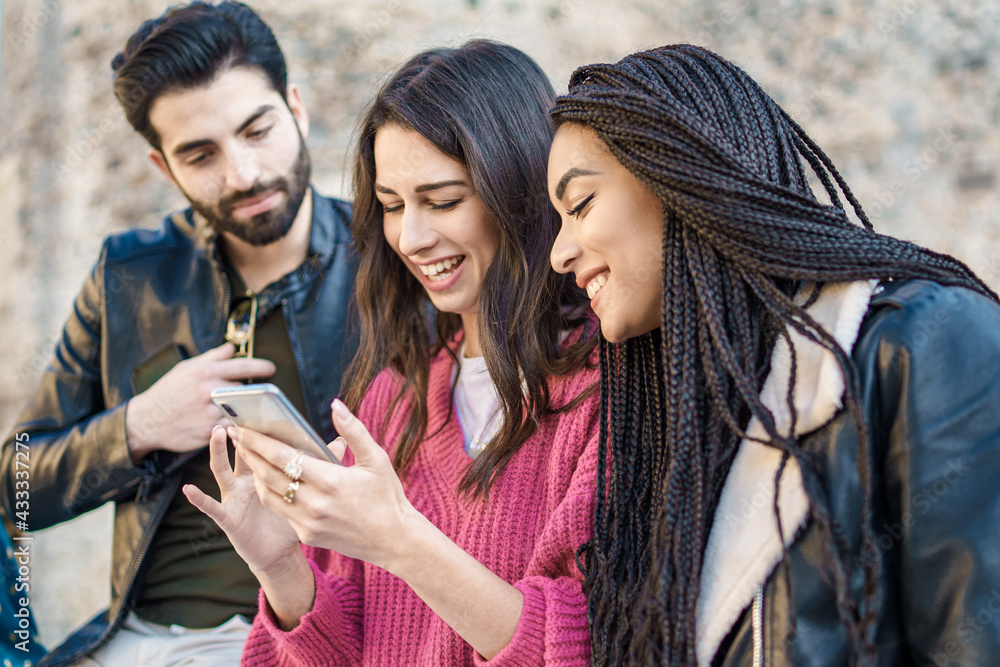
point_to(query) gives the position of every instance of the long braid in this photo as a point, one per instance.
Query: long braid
(743, 232)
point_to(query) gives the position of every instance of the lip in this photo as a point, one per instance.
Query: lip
(257, 205)
(441, 285)
(583, 279)
(435, 261)
(597, 297)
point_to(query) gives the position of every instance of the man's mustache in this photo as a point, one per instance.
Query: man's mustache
(231, 201)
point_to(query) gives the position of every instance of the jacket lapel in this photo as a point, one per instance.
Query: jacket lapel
(744, 546)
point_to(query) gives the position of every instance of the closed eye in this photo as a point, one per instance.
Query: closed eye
(575, 211)
(197, 158)
(259, 134)
(445, 206)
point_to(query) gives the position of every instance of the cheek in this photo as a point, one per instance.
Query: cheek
(285, 146)
(206, 189)
(647, 265)
(477, 234)
(492, 244)
(391, 229)
(644, 246)
(639, 287)
(648, 280)
(634, 257)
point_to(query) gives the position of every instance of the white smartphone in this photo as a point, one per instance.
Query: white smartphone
(264, 407)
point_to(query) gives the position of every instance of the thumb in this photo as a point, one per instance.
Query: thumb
(359, 441)
(338, 447)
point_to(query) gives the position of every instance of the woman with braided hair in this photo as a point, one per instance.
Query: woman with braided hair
(800, 416)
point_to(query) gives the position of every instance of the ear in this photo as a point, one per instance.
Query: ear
(298, 109)
(157, 158)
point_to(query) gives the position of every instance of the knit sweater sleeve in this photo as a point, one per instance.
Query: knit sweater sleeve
(553, 626)
(332, 632)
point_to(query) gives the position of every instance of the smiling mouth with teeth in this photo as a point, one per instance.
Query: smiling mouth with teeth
(595, 285)
(442, 269)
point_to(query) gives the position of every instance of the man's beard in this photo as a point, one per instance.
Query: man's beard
(269, 226)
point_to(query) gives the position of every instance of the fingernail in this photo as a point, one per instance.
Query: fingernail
(234, 434)
(341, 410)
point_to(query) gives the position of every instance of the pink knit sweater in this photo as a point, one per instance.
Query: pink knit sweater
(540, 511)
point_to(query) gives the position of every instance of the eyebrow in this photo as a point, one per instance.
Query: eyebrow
(569, 176)
(426, 187)
(189, 146)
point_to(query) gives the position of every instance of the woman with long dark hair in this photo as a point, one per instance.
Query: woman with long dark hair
(801, 416)
(477, 375)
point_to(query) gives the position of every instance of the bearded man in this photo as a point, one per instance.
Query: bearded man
(252, 281)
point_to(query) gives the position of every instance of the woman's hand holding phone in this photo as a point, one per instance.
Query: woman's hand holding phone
(359, 511)
(362, 512)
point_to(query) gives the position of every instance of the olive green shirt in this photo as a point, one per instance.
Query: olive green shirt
(195, 578)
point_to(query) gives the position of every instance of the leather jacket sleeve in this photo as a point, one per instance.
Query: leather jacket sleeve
(939, 353)
(76, 455)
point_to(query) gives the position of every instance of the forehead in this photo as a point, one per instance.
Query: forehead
(576, 145)
(404, 156)
(212, 110)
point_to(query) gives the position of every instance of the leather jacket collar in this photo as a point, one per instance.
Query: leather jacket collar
(926, 358)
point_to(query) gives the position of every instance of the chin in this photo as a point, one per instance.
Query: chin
(619, 333)
(612, 333)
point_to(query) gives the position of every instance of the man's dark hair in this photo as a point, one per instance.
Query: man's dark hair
(743, 231)
(186, 47)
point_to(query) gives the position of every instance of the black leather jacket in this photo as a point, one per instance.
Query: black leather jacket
(150, 290)
(928, 357)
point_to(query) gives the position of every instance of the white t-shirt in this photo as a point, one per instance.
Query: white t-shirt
(477, 403)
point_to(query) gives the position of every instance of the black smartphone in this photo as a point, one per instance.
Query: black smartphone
(264, 407)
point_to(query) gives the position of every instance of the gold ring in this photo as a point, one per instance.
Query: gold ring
(289, 496)
(293, 469)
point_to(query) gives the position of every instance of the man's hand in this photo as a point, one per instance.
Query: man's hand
(176, 413)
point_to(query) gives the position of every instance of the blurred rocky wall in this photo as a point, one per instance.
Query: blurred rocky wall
(904, 95)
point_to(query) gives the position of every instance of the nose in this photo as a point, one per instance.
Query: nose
(242, 171)
(415, 232)
(565, 251)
